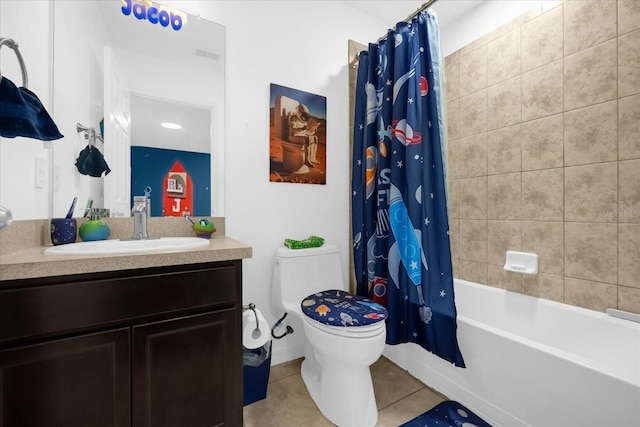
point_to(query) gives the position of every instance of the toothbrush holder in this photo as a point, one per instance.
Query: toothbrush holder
(63, 230)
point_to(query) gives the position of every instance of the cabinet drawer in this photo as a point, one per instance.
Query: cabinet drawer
(70, 307)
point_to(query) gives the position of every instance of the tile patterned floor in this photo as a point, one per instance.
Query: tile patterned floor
(399, 398)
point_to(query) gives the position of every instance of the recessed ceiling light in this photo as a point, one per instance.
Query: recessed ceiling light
(169, 125)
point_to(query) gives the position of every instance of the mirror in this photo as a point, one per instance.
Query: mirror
(132, 75)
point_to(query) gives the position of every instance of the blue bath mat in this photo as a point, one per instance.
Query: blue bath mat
(447, 413)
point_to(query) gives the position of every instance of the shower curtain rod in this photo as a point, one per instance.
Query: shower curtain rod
(413, 15)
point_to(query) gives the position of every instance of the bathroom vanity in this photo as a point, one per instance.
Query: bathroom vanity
(137, 340)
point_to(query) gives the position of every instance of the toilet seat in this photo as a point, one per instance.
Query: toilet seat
(341, 313)
(349, 331)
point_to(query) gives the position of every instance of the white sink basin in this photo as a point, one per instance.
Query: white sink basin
(115, 246)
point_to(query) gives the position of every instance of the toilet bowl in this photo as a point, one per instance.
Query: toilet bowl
(344, 333)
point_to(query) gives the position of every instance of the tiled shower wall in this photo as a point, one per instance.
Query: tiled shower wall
(544, 153)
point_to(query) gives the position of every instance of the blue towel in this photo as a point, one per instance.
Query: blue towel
(91, 162)
(22, 114)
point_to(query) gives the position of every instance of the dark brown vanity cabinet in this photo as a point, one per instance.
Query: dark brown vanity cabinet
(157, 347)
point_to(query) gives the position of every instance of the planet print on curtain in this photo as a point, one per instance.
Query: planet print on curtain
(402, 255)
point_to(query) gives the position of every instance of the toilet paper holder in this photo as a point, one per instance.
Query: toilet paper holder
(251, 306)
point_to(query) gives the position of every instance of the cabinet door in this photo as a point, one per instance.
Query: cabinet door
(74, 382)
(188, 372)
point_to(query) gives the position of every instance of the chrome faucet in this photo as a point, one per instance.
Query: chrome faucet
(139, 212)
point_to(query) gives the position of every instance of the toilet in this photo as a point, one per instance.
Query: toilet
(344, 333)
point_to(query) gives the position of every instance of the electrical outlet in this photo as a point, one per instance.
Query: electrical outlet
(41, 173)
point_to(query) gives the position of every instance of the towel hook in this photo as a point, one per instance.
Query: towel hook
(89, 134)
(13, 45)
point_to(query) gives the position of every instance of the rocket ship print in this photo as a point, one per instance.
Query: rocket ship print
(406, 249)
(407, 244)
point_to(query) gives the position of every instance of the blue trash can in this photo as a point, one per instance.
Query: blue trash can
(256, 365)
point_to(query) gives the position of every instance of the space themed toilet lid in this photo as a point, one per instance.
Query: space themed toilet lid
(340, 308)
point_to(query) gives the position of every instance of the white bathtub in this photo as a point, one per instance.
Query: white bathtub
(534, 362)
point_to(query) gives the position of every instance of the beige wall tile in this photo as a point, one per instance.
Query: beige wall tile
(453, 198)
(542, 39)
(455, 264)
(590, 191)
(499, 278)
(589, 294)
(453, 119)
(542, 143)
(473, 71)
(527, 16)
(591, 134)
(502, 236)
(629, 207)
(473, 271)
(629, 63)
(472, 203)
(454, 238)
(542, 195)
(503, 57)
(547, 240)
(466, 50)
(490, 36)
(504, 196)
(472, 155)
(587, 23)
(569, 152)
(629, 299)
(547, 286)
(453, 158)
(452, 57)
(473, 113)
(473, 240)
(452, 80)
(629, 255)
(504, 103)
(628, 16)
(542, 93)
(629, 127)
(591, 251)
(590, 76)
(504, 152)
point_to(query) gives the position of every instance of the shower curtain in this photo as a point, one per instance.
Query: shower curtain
(402, 257)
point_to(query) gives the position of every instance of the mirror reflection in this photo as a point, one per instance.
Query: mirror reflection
(125, 77)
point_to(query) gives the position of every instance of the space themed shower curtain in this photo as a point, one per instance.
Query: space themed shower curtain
(402, 256)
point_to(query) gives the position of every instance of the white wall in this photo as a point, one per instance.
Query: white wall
(33, 40)
(280, 42)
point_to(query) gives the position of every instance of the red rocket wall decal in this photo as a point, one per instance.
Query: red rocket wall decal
(178, 192)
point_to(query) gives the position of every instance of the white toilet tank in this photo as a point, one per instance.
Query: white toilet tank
(301, 272)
